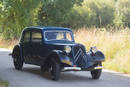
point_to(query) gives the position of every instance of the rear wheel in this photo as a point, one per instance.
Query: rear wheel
(18, 62)
(55, 70)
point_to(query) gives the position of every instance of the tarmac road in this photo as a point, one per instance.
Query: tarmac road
(31, 76)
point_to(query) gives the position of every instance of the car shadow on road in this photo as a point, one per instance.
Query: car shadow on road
(65, 76)
(36, 71)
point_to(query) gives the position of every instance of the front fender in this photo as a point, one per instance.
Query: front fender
(62, 56)
(98, 56)
(93, 59)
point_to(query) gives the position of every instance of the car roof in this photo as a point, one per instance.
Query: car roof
(47, 28)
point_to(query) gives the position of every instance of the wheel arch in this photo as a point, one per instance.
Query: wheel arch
(55, 55)
(60, 56)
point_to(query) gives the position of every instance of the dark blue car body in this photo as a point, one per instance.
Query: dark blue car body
(37, 51)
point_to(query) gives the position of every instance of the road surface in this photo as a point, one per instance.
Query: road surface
(31, 76)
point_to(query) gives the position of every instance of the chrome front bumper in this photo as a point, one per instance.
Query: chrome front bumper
(80, 69)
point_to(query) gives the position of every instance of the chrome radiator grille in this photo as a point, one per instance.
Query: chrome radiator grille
(79, 55)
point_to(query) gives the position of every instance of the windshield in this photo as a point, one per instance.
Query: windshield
(58, 35)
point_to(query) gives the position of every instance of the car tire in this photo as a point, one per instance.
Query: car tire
(96, 73)
(18, 62)
(55, 70)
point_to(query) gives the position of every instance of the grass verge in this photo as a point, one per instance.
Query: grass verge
(4, 83)
(114, 44)
(7, 43)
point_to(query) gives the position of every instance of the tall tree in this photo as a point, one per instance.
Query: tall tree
(104, 12)
(55, 12)
(124, 11)
(16, 15)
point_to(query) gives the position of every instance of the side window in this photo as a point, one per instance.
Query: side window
(36, 36)
(26, 37)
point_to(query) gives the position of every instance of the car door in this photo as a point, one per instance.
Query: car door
(25, 43)
(36, 46)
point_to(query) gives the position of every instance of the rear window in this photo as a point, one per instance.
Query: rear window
(26, 37)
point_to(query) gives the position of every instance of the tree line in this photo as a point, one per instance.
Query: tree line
(18, 14)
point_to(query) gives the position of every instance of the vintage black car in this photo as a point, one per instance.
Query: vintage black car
(54, 50)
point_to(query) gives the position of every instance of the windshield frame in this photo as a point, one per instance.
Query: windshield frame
(71, 34)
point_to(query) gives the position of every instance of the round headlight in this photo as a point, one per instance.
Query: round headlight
(67, 49)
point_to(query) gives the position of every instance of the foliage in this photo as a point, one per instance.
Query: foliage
(124, 11)
(18, 14)
(114, 44)
(56, 12)
(68, 14)
(15, 15)
(104, 12)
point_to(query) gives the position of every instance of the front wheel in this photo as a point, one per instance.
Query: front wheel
(96, 73)
(55, 70)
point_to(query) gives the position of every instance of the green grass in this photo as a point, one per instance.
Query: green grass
(120, 62)
(4, 83)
